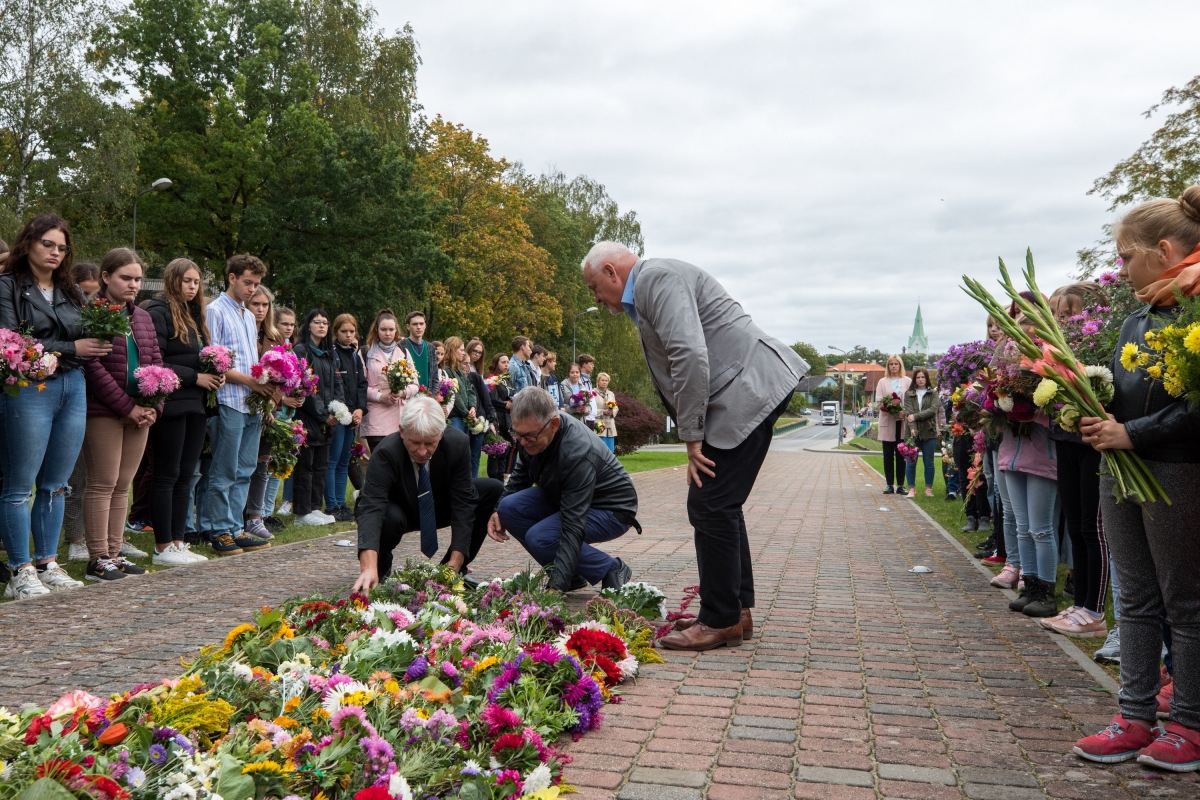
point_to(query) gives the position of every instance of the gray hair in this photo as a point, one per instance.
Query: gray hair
(606, 253)
(534, 402)
(423, 416)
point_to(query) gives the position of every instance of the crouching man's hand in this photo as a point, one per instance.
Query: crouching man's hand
(368, 578)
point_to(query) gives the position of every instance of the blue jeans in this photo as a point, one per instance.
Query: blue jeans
(537, 525)
(950, 476)
(457, 422)
(1034, 502)
(910, 468)
(476, 451)
(39, 443)
(341, 439)
(1008, 520)
(272, 494)
(233, 440)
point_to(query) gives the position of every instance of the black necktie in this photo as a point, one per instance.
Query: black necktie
(428, 514)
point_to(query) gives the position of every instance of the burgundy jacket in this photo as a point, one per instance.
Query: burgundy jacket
(106, 376)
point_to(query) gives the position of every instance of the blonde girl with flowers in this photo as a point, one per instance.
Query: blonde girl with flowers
(894, 382)
(606, 401)
(383, 407)
(1154, 549)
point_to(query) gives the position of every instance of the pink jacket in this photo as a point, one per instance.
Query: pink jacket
(383, 416)
(1033, 454)
(887, 423)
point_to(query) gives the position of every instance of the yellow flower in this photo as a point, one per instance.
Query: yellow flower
(319, 715)
(550, 793)
(264, 746)
(1192, 340)
(262, 766)
(1045, 392)
(391, 686)
(286, 722)
(1129, 356)
(487, 662)
(1155, 370)
(285, 632)
(292, 705)
(235, 633)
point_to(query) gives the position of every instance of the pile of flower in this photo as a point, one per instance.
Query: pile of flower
(23, 361)
(427, 688)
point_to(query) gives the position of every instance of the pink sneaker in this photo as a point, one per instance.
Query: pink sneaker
(928, 492)
(1076, 622)
(912, 493)
(1007, 578)
(1120, 741)
(1177, 748)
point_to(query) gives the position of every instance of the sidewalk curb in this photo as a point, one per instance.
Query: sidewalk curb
(1064, 642)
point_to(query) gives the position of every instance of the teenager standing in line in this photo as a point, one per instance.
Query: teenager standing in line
(894, 382)
(922, 413)
(86, 276)
(485, 416)
(316, 345)
(421, 354)
(262, 306)
(285, 321)
(383, 407)
(353, 374)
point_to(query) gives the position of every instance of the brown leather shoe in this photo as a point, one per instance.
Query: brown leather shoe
(747, 624)
(702, 637)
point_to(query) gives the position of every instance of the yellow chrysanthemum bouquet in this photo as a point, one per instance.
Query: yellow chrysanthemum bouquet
(1080, 388)
(1173, 357)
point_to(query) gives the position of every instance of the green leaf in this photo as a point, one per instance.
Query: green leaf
(433, 684)
(269, 618)
(45, 789)
(474, 789)
(231, 783)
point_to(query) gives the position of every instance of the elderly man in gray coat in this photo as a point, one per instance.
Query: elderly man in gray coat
(725, 382)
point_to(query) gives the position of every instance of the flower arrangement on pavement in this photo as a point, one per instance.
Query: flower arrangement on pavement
(427, 688)
(23, 361)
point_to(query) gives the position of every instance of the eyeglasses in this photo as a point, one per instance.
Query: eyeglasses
(61, 248)
(527, 438)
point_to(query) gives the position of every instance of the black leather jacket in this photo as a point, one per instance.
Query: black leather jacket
(576, 473)
(56, 326)
(1161, 427)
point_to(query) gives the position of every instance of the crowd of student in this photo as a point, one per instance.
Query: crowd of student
(1052, 501)
(76, 443)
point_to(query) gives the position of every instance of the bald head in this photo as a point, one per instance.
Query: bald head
(606, 269)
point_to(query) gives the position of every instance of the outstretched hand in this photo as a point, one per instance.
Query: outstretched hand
(367, 580)
(496, 530)
(697, 463)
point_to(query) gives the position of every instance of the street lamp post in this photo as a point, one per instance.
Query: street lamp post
(841, 421)
(575, 328)
(160, 185)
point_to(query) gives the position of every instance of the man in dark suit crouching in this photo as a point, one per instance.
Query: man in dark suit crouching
(419, 480)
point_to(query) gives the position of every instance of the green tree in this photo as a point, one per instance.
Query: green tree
(815, 360)
(1163, 166)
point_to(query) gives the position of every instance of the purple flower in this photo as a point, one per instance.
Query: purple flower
(377, 749)
(158, 754)
(161, 734)
(1109, 278)
(183, 744)
(418, 669)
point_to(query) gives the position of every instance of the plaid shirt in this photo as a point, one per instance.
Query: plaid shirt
(233, 325)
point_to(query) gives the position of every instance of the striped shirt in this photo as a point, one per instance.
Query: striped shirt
(233, 325)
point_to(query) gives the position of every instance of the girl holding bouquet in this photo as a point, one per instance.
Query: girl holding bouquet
(891, 388)
(485, 416)
(1154, 550)
(464, 407)
(262, 306)
(353, 374)
(383, 405)
(607, 402)
(118, 424)
(316, 345)
(177, 438)
(922, 414)
(43, 425)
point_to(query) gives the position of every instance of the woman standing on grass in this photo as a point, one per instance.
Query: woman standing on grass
(383, 407)
(922, 414)
(894, 382)
(1154, 549)
(177, 438)
(262, 306)
(353, 374)
(316, 345)
(285, 321)
(501, 399)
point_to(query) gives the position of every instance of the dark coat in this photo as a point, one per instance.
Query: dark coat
(576, 473)
(390, 480)
(55, 326)
(500, 396)
(329, 388)
(353, 373)
(1161, 427)
(106, 376)
(183, 359)
(483, 404)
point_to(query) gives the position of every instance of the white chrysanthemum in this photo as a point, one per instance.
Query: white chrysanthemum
(1103, 373)
(1005, 403)
(368, 613)
(392, 638)
(242, 672)
(628, 666)
(336, 697)
(398, 787)
(539, 778)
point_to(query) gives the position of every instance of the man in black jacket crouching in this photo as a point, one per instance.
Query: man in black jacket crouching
(419, 480)
(582, 496)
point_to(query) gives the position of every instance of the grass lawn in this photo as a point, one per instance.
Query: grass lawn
(637, 462)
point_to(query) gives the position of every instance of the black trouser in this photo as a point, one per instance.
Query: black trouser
(396, 523)
(964, 458)
(1079, 488)
(308, 480)
(893, 462)
(175, 445)
(715, 511)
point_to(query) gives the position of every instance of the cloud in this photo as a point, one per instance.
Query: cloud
(830, 163)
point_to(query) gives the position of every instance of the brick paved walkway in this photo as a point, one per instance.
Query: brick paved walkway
(863, 681)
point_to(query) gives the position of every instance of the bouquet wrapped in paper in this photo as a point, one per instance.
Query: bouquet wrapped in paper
(104, 320)
(215, 359)
(23, 361)
(154, 384)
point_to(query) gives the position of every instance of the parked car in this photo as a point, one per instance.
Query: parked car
(807, 412)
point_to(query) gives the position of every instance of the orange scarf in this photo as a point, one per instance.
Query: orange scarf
(1185, 275)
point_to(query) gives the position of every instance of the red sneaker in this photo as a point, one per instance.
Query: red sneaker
(1120, 741)
(1177, 749)
(1165, 693)
(993, 560)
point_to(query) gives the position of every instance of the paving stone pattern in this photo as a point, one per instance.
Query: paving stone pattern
(863, 681)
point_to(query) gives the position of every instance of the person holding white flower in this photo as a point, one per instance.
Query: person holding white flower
(319, 414)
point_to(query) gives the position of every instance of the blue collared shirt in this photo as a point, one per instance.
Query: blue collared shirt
(232, 325)
(627, 297)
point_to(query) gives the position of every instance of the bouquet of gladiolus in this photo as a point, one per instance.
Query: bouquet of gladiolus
(400, 375)
(23, 361)
(104, 320)
(494, 445)
(284, 371)
(892, 404)
(284, 438)
(580, 403)
(154, 384)
(1049, 357)
(215, 360)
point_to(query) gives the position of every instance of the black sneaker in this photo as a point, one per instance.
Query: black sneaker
(128, 567)
(889, 490)
(618, 576)
(223, 545)
(194, 538)
(248, 543)
(577, 583)
(274, 524)
(951, 497)
(103, 569)
(343, 514)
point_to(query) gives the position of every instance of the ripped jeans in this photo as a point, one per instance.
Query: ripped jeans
(39, 443)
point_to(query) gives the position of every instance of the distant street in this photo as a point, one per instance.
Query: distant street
(814, 434)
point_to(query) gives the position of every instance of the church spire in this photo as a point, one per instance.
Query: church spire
(917, 343)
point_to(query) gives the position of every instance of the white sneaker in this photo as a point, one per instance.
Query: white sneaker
(329, 518)
(56, 579)
(129, 551)
(313, 518)
(25, 584)
(286, 508)
(186, 549)
(78, 552)
(170, 557)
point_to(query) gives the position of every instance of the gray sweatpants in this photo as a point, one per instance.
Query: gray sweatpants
(1156, 553)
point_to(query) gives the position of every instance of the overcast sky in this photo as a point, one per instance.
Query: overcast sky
(831, 163)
